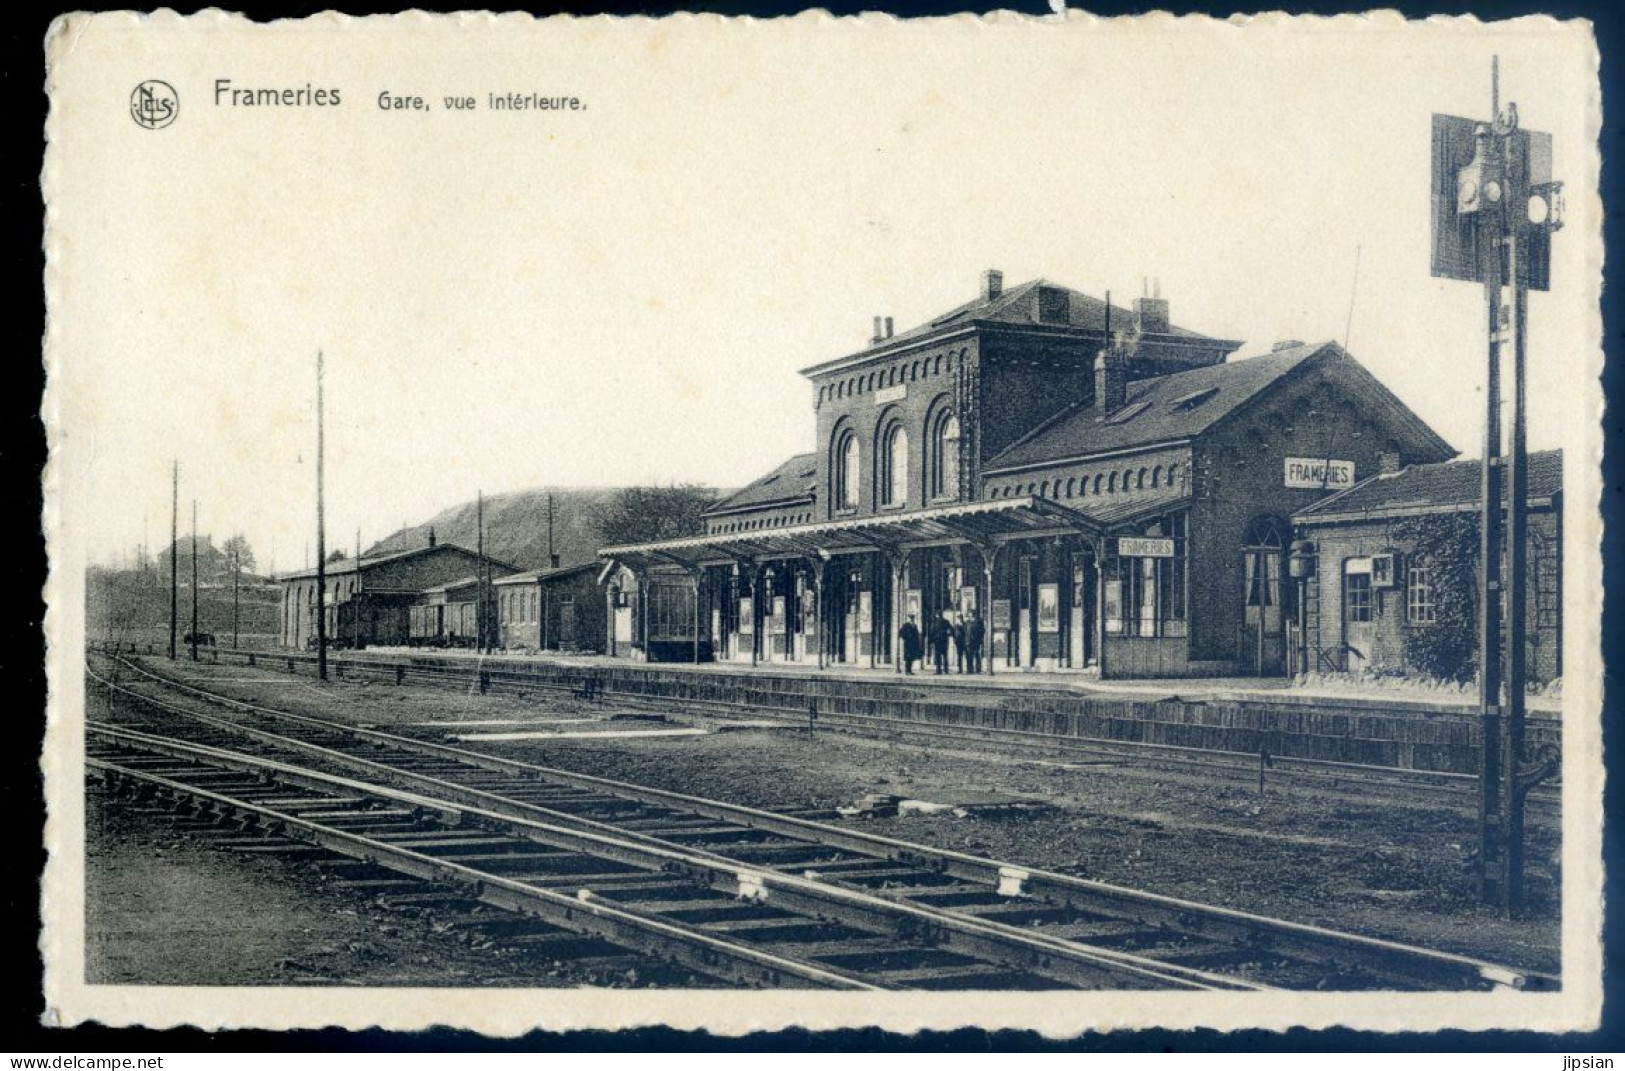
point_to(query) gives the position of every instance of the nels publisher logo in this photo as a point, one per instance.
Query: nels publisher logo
(154, 104)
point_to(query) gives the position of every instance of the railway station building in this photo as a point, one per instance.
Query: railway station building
(555, 609)
(1104, 491)
(368, 602)
(1388, 572)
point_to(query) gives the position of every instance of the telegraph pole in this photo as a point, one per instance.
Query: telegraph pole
(1493, 217)
(356, 599)
(174, 554)
(479, 573)
(321, 533)
(236, 605)
(547, 588)
(194, 580)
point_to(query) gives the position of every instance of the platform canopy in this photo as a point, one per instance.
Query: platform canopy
(979, 523)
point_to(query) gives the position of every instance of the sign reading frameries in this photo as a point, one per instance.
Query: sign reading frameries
(1319, 473)
(1144, 547)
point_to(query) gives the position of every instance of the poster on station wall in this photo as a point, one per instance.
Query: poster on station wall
(1049, 608)
(775, 622)
(911, 603)
(1001, 615)
(747, 616)
(866, 620)
(967, 598)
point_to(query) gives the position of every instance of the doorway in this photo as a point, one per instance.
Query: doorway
(1263, 564)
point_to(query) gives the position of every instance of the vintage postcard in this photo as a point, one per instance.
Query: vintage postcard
(1040, 522)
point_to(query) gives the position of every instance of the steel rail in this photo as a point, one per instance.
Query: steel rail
(1227, 761)
(1396, 961)
(468, 796)
(992, 942)
(698, 951)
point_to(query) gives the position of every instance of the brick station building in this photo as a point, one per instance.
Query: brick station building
(1103, 488)
(1381, 554)
(368, 602)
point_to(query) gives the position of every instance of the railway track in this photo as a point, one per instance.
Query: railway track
(1344, 778)
(904, 915)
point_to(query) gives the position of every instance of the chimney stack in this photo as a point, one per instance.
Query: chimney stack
(888, 327)
(1151, 310)
(876, 336)
(552, 561)
(431, 535)
(992, 284)
(1111, 381)
(1388, 462)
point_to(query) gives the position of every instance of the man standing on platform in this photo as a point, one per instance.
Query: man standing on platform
(957, 634)
(939, 642)
(974, 634)
(909, 634)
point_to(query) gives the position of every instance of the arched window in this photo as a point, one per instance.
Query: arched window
(1156, 477)
(848, 470)
(1111, 484)
(1139, 480)
(1173, 475)
(1097, 484)
(944, 482)
(1071, 486)
(1043, 489)
(894, 467)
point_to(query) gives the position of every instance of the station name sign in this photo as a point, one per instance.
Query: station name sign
(1319, 473)
(1143, 547)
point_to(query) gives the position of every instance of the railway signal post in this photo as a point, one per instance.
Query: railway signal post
(1495, 207)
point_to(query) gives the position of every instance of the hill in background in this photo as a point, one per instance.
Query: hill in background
(515, 527)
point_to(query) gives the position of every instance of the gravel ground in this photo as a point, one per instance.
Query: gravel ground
(162, 907)
(1398, 868)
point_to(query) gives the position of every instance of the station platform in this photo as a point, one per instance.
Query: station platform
(1266, 690)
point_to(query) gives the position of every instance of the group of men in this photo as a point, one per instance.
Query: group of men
(949, 628)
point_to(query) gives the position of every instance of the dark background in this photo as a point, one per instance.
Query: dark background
(22, 648)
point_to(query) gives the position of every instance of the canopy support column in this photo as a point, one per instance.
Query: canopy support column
(899, 573)
(990, 565)
(818, 561)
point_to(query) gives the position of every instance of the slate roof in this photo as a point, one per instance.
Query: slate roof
(452, 585)
(1168, 408)
(1019, 305)
(349, 565)
(1427, 488)
(531, 576)
(792, 481)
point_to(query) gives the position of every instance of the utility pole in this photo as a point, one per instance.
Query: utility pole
(1493, 217)
(194, 580)
(321, 533)
(547, 588)
(174, 554)
(236, 605)
(355, 600)
(479, 572)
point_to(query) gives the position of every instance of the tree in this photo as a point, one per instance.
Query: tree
(238, 545)
(651, 514)
(1447, 545)
(336, 556)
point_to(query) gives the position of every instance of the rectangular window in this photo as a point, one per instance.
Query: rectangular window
(1145, 595)
(1419, 604)
(1548, 588)
(1357, 597)
(671, 612)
